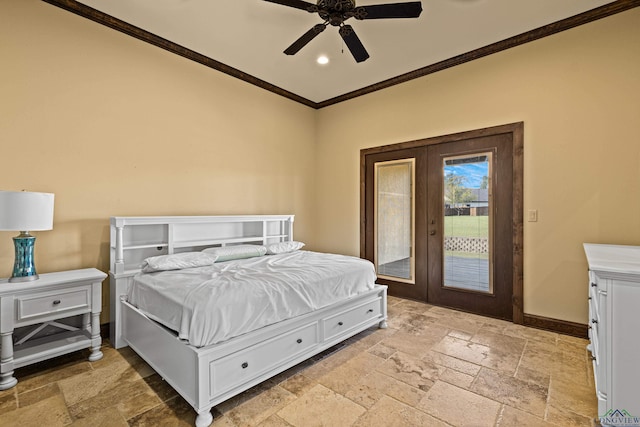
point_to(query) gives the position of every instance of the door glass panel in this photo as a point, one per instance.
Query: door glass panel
(467, 251)
(394, 220)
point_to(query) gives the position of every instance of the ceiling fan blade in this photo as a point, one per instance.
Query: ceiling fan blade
(306, 38)
(391, 10)
(353, 43)
(298, 4)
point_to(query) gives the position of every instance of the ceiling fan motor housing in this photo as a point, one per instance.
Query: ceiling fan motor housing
(335, 12)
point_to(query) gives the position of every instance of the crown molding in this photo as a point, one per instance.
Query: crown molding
(529, 36)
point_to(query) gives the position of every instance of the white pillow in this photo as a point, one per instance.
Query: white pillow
(283, 247)
(227, 253)
(177, 261)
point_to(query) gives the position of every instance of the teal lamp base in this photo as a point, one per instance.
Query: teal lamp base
(24, 269)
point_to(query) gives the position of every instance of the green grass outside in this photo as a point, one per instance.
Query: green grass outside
(466, 226)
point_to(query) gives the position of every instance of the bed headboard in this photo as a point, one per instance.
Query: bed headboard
(135, 238)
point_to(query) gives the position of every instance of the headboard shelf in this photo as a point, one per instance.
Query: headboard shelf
(145, 245)
(220, 242)
(135, 238)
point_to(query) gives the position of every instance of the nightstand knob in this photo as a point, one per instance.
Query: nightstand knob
(593, 285)
(56, 302)
(370, 310)
(299, 340)
(594, 321)
(245, 365)
(340, 323)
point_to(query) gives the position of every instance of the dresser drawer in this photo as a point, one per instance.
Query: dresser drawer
(45, 304)
(342, 323)
(594, 314)
(245, 365)
(593, 295)
(596, 282)
(594, 338)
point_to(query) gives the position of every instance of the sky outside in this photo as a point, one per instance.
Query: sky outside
(473, 172)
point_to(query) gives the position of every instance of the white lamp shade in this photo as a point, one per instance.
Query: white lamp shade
(26, 211)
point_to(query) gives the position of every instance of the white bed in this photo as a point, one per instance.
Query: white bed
(207, 367)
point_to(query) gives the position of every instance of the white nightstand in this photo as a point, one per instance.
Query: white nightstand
(40, 303)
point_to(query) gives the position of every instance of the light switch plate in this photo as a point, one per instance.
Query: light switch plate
(532, 215)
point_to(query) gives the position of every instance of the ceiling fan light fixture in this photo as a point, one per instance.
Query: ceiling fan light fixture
(322, 60)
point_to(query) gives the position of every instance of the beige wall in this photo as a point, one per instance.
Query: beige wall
(578, 94)
(114, 126)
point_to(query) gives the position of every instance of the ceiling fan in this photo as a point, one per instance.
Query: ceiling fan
(335, 12)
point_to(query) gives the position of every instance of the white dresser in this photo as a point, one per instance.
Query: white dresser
(614, 329)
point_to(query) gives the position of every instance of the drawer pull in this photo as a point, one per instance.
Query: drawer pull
(593, 285)
(340, 323)
(593, 358)
(594, 321)
(299, 340)
(590, 327)
(245, 365)
(370, 310)
(589, 298)
(56, 302)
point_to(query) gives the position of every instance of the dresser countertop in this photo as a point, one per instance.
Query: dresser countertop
(613, 258)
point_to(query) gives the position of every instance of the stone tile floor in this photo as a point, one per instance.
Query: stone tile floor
(432, 367)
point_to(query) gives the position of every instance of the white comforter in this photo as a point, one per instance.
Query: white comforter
(208, 305)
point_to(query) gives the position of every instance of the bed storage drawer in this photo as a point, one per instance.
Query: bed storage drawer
(345, 321)
(245, 365)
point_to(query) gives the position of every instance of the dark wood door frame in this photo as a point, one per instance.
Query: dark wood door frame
(517, 135)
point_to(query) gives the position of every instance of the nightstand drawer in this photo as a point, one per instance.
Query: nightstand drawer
(73, 301)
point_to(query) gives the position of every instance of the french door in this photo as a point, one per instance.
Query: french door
(442, 220)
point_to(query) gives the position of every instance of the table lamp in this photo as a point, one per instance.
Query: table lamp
(25, 211)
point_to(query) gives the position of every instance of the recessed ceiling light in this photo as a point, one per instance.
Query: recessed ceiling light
(322, 60)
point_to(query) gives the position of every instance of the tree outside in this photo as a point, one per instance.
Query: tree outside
(455, 191)
(485, 182)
